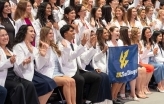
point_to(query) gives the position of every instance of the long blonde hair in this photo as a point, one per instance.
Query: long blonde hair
(43, 37)
(20, 10)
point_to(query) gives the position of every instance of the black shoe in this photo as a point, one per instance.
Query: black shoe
(122, 102)
(116, 102)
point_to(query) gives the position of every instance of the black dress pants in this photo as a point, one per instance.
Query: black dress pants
(20, 91)
(83, 77)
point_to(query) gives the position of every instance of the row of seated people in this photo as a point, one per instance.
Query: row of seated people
(31, 73)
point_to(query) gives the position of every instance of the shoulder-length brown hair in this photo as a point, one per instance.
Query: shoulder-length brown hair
(129, 14)
(43, 37)
(124, 18)
(20, 10)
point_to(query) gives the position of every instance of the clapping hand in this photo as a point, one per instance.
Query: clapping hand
(43, 49)
(49, 24)
(84, 40)
(55, 25)
(93, 41)
(98, 70)
(27, 61)
(105, 49)
(92, 22)
(155, 51)
(75, 27)
(13, 59)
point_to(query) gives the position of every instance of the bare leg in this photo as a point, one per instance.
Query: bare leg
(160, 87)
(72, 89)
(143, 82)
(114, 89)
(162, 84)
(122, 91)
(44, 98)
(132, 87)
(118, 89)
(149, 75)
(139, 82)
(65, 82)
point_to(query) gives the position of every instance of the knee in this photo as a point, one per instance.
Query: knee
(72, 81)
(67, 82)
(151, 68)
(20, 86)
(98, 78)
(142, 70)
(80, 80)
(30, 85)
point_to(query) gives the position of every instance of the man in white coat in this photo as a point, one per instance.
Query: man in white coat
(72, 65)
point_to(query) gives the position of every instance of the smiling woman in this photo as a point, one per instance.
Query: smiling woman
(17, 87)
(31, 59)
(6, 20)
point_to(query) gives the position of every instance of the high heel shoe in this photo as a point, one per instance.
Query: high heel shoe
(159, 90)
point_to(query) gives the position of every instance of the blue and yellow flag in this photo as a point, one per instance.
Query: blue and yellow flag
(123, 63)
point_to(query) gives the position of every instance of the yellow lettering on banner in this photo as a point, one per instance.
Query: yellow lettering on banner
(123, 61)
(118, 75)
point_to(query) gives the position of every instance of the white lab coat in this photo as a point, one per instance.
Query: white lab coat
(4, 65)
(70, 58)
(27, 71)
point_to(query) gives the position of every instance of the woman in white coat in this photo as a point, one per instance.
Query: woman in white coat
(17, 87)
(114, 41)
(45, 18)
(104, 94)
(157, 60)
(68, 18)
(119, 18)
(30, 60)
(6, 20)
(23, 16)
(80, 21)
(53, 68)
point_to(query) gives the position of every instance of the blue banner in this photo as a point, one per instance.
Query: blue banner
(123, 63)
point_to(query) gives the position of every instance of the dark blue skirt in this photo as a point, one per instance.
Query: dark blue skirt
(43, 84)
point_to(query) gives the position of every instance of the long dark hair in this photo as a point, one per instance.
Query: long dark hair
(124, 35)
(143, 37)
(41, 14)
(106, 13)
(154, 37)
(78, 9)
(67, 10)
(100, 40)
(93, 12)
(2, 4)
(8, 45)
(21, 34)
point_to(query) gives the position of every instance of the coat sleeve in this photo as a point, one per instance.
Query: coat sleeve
(41, 61)
(5, 63)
